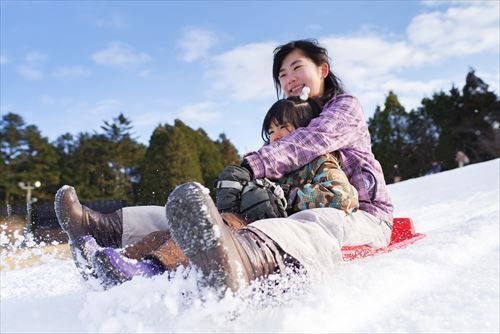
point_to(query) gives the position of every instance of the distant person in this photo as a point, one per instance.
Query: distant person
(461, 159)
(396, 174)
(435, 168)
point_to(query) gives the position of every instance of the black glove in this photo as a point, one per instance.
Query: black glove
(262, 198)
(246, 165)
(228, 188)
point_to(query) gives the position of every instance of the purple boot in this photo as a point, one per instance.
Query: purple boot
(112, 268)
(83, 249)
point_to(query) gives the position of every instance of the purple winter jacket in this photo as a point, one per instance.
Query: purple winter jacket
(341, 127)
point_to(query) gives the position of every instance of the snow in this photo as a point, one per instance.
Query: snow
(446, 282)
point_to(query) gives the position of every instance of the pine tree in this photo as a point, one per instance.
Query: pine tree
(444, 109)
(388, 129)
(422, 143)
(229, 152)
(66, 146)
(12, 145)
(27, 157)
(171, 159)
(92, 174)
(477, 131)
(40, 164)
(467, 121)
(125, 156)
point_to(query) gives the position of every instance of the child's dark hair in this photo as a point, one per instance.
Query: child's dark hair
(291, 110)
(318, 54)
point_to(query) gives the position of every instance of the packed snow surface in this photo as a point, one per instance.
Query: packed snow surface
(445, 282)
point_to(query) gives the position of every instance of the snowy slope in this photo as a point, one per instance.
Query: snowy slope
(447, 282)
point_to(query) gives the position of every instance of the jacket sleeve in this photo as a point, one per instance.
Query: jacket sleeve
(328, 188)
(340, 124)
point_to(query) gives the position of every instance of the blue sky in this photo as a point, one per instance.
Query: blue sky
(68, 66)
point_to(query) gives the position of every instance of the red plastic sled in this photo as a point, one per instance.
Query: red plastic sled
(403, 234)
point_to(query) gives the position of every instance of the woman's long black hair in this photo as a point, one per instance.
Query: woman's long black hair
(291, 110)
(319, 55)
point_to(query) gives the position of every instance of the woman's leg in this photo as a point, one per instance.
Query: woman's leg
(315, 237)
(139, 221)
(153, 254)
(78, 220)
(117, 229)
(227, 256)
(232, 258)
(89, 230)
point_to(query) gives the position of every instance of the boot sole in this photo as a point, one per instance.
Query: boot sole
(108, 276)
(63, 214)
(82, 262)
(198, 229)
(62, 217)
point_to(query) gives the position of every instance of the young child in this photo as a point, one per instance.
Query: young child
(319, 184)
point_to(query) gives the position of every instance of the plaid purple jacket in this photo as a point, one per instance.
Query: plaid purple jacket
(341, 127)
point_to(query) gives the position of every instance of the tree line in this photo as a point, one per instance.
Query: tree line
(112, 164)
(109, 164)
(466, 120)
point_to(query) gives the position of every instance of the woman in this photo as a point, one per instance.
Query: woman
(311, 239)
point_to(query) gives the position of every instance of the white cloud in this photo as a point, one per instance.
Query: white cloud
(151, 118)
(492, 79)
(31, 69)
(458, 31)
(57, 101)
(200, 113)
(243, 73)
(4, 60)
(105, 107)
(70, 72)
(373, 64)
(195, 43)
(144, 73)
(76, 115)
(113, 22)
(30, 73)
(35, 58)
(158, 111)
(71, 106)
(120, 55)
(437, 3)
(410, 93)
(362, 57)
(6, 108)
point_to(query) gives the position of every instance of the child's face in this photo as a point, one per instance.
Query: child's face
(277, 131)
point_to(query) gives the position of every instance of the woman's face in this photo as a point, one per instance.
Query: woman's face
(298, 70)
(277, 131)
